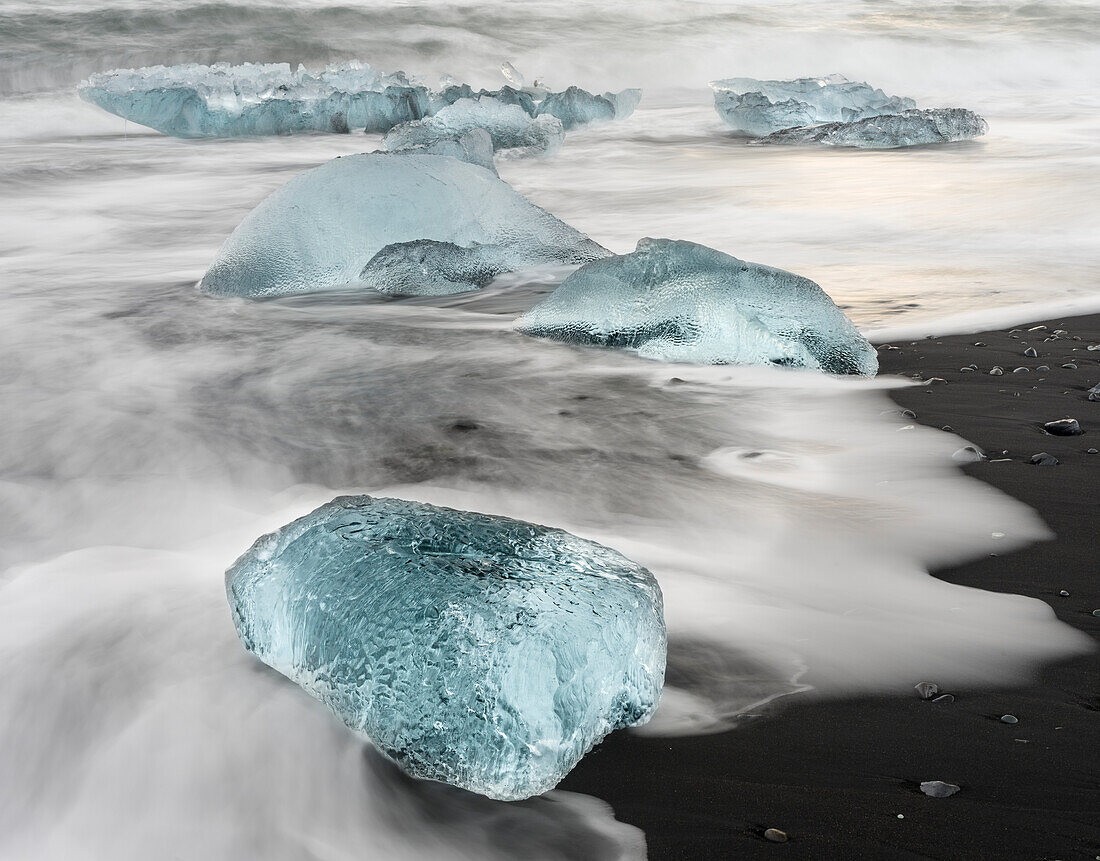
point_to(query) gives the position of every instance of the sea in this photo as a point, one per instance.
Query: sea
(150, 433)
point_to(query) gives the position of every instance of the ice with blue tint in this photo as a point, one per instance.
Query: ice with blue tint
(682, 302)
(758, 108)
(509, 125)
(909, 128)
(321, 229)
(195, 101)
(576, 107)
(480, 651)
(475, 147)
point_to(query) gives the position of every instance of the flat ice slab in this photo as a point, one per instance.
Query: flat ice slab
(475, 650)
(197, 101)
(910, 128)
(682, 302)
(837, 112)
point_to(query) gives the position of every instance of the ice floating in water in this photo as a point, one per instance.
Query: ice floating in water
(324, 228)
(510, 126)
(759, 108)
(836, 111)
(577, 107)
(195, 101)
(475, 650)
(911, 128)
(682, 302)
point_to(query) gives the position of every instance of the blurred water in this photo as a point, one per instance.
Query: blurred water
(151, 433)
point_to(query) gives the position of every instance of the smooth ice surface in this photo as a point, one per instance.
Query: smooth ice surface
(194, 101)
(475, 650)
(322, 228)
(910, 128)
(682, 302)
(759, 108)
(510, 126)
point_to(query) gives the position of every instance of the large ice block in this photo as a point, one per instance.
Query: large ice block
(195, 101)
(682, 302)
(480, 651)
(758, 108)
(322, 228)
(909, 128)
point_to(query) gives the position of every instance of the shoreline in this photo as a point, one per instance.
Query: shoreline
(836, 774)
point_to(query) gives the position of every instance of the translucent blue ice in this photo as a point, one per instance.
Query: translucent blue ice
(480, 651)
(758, 108)
(322, 228)
(576, 107)
(194, 101)
(682, 302)
(909, 128)
(509, 125)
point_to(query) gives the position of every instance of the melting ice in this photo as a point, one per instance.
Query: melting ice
(479, 651)
(682, 302)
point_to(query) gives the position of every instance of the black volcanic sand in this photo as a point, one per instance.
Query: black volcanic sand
(835, 775)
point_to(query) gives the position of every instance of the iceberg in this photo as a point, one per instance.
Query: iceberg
(195, 101)
(222, 100)
(509, 125)
(909, 128)
(321, 229)
(474, 650)
(576, 107)
(681, 302)
(758, 108)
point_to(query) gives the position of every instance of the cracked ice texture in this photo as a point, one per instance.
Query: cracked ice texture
(758, 108)
(909, 128)
(320, 229)
(509, 125)
(195, 101)
(475, 650)
(682, 302)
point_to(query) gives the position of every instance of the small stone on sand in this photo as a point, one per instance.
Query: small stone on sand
(938, 789)
(1030, 353)
(1009, 719)
(775, 835)
(1044, 459)
(1063, 427)
(927, 690)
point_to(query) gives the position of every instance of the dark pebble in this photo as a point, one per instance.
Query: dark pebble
(1069, 366)
(1044, 459)
(996, 371)
(1063, 427)
(1021, 370)
(776, 836)
(1031, 353)
(1009, 719)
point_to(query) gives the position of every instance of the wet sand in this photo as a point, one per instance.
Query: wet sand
(836, 775)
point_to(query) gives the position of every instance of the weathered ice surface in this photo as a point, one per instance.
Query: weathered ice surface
(911, 128)
(758, 108)
(319, 230)
(681, 302)
(194, 101)
(509, 125)
(576, 107)
(475, 147)
(480, 651)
